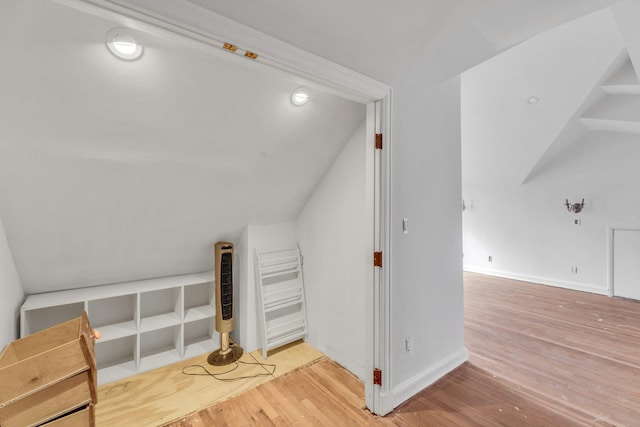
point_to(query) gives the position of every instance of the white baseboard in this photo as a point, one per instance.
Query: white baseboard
(415, 384)
(386, 404)
(537, 279)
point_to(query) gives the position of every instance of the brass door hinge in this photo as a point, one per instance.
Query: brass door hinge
(230, 47)
(377, 377)
(378, 141)
(377, 259)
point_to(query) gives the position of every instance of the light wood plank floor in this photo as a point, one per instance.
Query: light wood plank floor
(156, 397)
(540, 356)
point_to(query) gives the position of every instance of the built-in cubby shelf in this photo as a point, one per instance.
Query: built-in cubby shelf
(144, 324)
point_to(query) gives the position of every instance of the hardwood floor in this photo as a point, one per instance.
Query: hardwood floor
(156, 397)
(324, 394)
(579, 352)
(540, 356)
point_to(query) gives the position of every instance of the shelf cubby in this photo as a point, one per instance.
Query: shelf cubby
(159, 346)
(145, 324)
(160, 308)
(199, 301)
(115, 317)
(200, 337)
(116, 358)
(46, 317)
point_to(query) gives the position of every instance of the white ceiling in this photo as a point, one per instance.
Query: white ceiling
(377, 37)
(382, 24)
(113, 171)
(507, 22)
(584, 79)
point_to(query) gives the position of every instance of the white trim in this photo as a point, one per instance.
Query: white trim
(191, 23)
(384, 321)
(539, 280)
(371, 337)
(610, 230)
(386, 403)
(424, 379)
(381, 350)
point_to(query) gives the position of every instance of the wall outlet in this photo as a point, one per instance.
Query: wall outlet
(408, 344)
(490, 258)
(574, 270)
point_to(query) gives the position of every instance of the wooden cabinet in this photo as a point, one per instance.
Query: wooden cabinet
(144, 324)
(48, 374)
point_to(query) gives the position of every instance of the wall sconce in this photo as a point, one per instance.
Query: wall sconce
(575, 208)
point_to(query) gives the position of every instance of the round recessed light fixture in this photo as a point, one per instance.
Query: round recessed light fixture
(122, 44)
(533, 100)
(300, 96)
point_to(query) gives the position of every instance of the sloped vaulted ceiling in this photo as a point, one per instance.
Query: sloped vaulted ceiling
(506, 23)
(585, 75)
(113, 171)
(506, 139)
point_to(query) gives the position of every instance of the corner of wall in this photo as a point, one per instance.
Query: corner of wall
(11, 293)
(239, 334)
(424, 379)
(575, 286)
(271, 236)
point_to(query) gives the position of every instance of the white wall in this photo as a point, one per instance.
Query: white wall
(335, 235)
(427, 262)
(426, 282)
(504, 137)
(11, 293)
(524, 227)
(425, 265)
(529, 233)
(150, 145)
(261, 237)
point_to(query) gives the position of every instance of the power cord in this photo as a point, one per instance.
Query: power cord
(237, 364)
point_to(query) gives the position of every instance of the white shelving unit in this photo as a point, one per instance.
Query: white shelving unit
(145, 324)
(281, 307)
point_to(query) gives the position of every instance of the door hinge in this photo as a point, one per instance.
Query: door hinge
(378, 141)
(377, 377)
(230, 47)
(377, 259)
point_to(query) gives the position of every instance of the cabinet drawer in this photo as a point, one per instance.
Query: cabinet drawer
(84, 417)
(48, 374)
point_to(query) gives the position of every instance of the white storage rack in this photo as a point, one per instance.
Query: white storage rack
(281, 304)
(144, 324)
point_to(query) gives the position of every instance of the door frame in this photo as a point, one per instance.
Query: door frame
(610, 236)
(153, 17)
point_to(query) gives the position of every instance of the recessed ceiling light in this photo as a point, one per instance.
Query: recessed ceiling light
(300, 96)
(533, 100)
(122, 44)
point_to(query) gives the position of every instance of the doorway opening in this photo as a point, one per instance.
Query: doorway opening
(326, 78)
